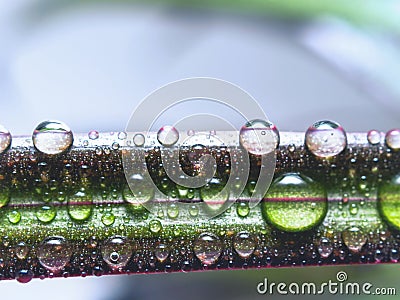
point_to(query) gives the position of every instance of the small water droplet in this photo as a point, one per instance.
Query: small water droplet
(173, 211)
(116, 251)
(259, 137)
(54, 253)
(122, 135)
(207, 248)
(326, 139)
(139, 139)
(193, 211)
(161, 252)
(243, 209)
(98, 150)
(379, 255)
(168, 136)
(155, 226)
(80, 205)
(353, 209)
(325, 247)
(354, 238)
(52, 137)
(5, 139)
(115, 146)
(14, 217)
(244, 244)
(392, 139)
(108, 219)
(21, 250)
(374, 137)
(93, 135)
(46, 213)
(295, 202)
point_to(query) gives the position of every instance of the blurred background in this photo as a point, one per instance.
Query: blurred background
(89, 63)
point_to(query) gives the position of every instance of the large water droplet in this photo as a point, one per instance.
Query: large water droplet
(326, 139)
(4, 197)
(54, 253)
(214, 194)
(168, 136)
(259, 137)
(295, 203)
(80, 205)
(52, 137)
(354, 238)
(14, 217)
(139, 190)
(325, 247)
(392, 139)
(5, 139)
(207, 247)
(46, 214)
(389, 201)
(24, 276)
(244, 244)
(116, 251)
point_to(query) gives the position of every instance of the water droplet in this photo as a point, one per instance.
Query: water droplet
(139, 139)
(116, 251)
(389, 201)
(115, 146)
(244, 244)
(161, 252)
(168, 136)
(80, 205)
(155, 226)
(21, 250)
(4, 197)
(52, 137)
(122, 135)
(98, 150)
(108, 219)
(295, 203)
(46, 213)
(374, 137)
(259, 137)
(54, 253)
(139, 190)
(193, 210)
(93, 135)
(326, 139)
(207, 248)
(353, 209)
(325, 247)
(392, 139)
(5, 139)
(173, 211)
(379, 255)
(354, 238)
(214, 194)
(14, 217)
(243, 209)
(24, 276)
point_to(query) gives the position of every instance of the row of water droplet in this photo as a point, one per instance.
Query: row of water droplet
(323, 138)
